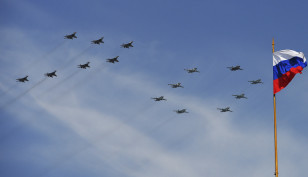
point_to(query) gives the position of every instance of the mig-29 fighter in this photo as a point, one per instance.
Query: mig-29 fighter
(70, 36)
(176, 85)
(235, 68)
(258, 81)
(98, 41)
(51, 74)
(22, 79)
(227, 109)
(193, 70)
(240, 96)
(159, 98)
(112, 60)
(128, 45)
(180, 111)
(84, 66)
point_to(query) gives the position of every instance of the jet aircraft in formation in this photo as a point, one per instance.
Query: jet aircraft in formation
(22, 79)
(159, 98)
(98, 41)
(84, 66)
(258, 81)
(70, 36)
(112, 60)
(51, 74)
(193, 70)
(240, 96)
(176, 85)
(227, 109)
(180, 111)
(128, 45)
(235, 68)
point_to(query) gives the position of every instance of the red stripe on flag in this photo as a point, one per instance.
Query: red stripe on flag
(286, 78)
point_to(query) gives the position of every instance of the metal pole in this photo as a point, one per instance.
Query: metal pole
(275, 127)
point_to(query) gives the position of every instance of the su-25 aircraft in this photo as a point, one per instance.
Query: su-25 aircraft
(112, 60)
(84, 66)
(258, 81)
(240, 96)
(159, 98)
(235, 68)
(193, 70)
(51, 74)
(180, 111)
(98, 41)
(70, 36)
(127, 45)
(22, 79)
(227, 109)
(176, 85)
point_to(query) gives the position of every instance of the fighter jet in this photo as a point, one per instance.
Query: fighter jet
(22, 79)
(51, 74)
(180, 111)
(112, 60)
(176, 85)
(258, 81)
(84, 66)
(127, 45)
(227, 109)
(159, 98)
(240, 96)
(70, 36)
(193, 70)
(235, 68)
(98, 41)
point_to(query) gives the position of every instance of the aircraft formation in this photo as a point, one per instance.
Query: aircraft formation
(194, 70)
(156, 99)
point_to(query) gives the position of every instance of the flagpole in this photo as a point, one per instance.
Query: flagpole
(275, 126)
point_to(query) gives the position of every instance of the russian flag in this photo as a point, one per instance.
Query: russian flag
(286, 64)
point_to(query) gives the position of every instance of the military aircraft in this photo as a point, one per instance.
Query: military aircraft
(51, 74)
(258, 81)
(224, 109)
(176, 85)
(193, 70)
(98, 41)
(22, 79)
(159, 98)
(84, 66)
(127, 45)
(180, 111)
(112, 60)
(235, 68)
(70, 36)
(240, 96)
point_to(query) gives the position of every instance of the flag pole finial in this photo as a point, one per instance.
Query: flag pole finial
(273, 45)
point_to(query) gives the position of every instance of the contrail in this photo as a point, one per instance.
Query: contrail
(161, 124)
(8, 90)
(22, 94)
(60, 83)
(40, 59)
(83, 81)
(75, 57)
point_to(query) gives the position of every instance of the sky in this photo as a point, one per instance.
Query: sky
(101, 121)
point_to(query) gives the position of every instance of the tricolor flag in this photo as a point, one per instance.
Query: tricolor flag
(286, 64)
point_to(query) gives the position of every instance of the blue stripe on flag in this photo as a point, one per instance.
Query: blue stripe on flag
(285, 66)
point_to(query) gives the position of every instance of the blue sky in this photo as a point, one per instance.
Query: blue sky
(102, 121)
